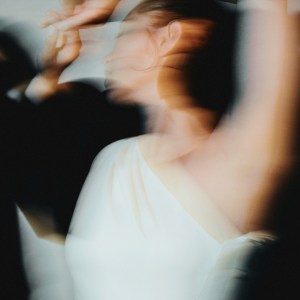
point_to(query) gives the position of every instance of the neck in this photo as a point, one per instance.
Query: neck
(173, 116)
(183, 129)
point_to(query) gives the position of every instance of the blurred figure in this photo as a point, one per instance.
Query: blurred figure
(50, 134)
(80, 13)
(174, 214)
(200, 182)
(73, 122)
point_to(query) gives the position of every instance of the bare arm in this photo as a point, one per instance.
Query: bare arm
(250, 152)
(89, 12)
(63, 43)
(262, 120)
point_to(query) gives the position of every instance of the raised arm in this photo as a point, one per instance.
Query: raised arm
(63, 43)
(74, 16)
(264, 115)
(251, 151)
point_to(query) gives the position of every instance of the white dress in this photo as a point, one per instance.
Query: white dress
(131, 239)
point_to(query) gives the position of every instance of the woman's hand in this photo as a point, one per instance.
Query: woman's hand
(88, 13)
(63, 42)
(60, 50)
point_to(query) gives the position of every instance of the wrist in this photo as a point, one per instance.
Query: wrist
(41, 87)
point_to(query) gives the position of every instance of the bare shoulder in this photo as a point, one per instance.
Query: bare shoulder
(242, 187)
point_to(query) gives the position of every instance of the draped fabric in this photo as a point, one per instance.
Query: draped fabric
(131, 239)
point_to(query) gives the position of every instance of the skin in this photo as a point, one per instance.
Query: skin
(78, 14)
(130, 64)
(248, 154)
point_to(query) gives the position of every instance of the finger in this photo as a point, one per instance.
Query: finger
(70, 50)
(61, 39)
(53, 17)
(51, 39)
(50, 50)
(87, 17)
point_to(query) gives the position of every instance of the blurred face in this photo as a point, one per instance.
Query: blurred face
(129, 67)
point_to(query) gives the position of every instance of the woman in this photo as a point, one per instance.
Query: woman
(158, 212)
